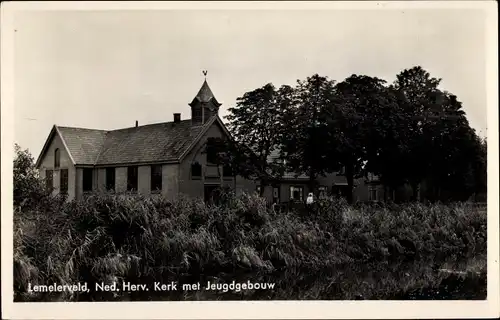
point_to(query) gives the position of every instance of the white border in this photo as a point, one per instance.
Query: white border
(248, 309)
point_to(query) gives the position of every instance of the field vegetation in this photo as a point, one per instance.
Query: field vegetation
(108, 238)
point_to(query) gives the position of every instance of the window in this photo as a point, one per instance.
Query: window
(211, 151)
(196, 170)
(156, 178)
(373, 194)
(296, 193)
(49, 179)
(276, 194)
(132, 178)
(196, 113)
(322, 192)
(57, 158)
(87, 179)
(227, 171)
(110, 179)
(63, 182)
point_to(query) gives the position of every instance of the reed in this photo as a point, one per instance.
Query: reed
(109, 238)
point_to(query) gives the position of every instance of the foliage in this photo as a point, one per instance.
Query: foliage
(256, 125)
(410, 132)
(106, 238)
(305, 146)
(29, 190)
(440, 146)
(365, 122)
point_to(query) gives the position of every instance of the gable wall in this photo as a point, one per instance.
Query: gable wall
(195, 187)
(47, 162)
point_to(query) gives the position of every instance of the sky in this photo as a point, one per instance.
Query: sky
(107, 69)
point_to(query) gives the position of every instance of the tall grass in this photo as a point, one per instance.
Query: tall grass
(108, 238)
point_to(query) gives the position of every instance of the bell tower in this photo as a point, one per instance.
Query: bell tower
(204, 105)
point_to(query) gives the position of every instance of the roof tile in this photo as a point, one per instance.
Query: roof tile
(149, 143)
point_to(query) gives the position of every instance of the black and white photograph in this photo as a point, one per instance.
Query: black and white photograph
(249, 160)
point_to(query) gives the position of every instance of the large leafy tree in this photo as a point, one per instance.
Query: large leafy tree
(439, 146)
(256, 126)
(457, 158)
(306, 140)
(386, 139)
(362, 123)
(419, 97)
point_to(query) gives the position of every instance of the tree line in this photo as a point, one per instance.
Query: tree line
(405, 132)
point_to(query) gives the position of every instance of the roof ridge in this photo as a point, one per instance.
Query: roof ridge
(81, 128)
(147, 125)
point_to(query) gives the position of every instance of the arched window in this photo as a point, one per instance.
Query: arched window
(57, 158)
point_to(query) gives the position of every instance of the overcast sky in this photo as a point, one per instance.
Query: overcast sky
(106, 69)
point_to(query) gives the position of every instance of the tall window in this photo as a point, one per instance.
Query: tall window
(49, 179)
(197, 114)
(227, 171)
(57, 158)
(196, 170)
(87, 179)
(296, 193)
(63, 181)
(155, 178)
(211, 152)
(373, 193)
(110, 179)
(132, 177)
(276, 194)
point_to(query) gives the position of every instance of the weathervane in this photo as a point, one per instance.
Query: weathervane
(205, 73)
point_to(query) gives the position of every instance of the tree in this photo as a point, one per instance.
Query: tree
(387, 137)
(361, 122)
(305, 146)
(256, 126)
(439, 146)
(418, 96)
(29, 189)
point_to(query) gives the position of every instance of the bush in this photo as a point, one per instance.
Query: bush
(29, 190)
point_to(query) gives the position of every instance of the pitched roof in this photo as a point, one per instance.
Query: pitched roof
(150, 143)
(205, 94)
(159, 142)
(84, 145)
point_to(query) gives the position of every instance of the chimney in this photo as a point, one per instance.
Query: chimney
(177, 117)
(136, 123)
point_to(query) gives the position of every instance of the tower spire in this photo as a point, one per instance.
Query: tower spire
(204, 105)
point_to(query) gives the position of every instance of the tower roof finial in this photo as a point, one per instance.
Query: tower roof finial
(205, 94)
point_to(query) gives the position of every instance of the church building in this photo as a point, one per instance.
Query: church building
(167, 158)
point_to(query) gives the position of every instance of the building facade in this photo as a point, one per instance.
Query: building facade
(167, 159)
